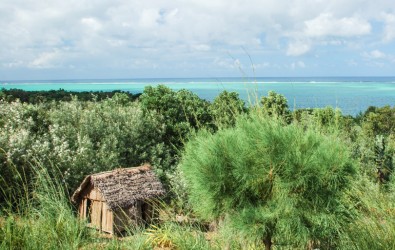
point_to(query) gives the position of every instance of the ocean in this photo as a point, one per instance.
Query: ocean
(351, 94)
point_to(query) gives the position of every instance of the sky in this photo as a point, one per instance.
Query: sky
(114, 39)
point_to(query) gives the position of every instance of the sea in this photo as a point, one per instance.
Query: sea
(350, 94)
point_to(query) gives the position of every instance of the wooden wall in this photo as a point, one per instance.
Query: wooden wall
(107, 219)
(94, 208)
(98, 213)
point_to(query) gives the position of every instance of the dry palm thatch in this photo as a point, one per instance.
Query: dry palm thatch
(122, 187)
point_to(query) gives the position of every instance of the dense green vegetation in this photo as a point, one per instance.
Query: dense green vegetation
(238, 177)
(80, 137)
(35, 97)
(271, 180)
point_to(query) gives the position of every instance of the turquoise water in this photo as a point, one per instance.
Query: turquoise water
(350, 94)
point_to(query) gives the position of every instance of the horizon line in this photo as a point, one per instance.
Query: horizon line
(200, 77)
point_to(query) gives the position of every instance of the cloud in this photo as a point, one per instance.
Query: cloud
(326, 30)
(298, 48)
(262, 65)
(91, 23)
(230, 63)
(298, 64)
(201, 47)
(107, 34)
(13, 64)
(149, 18)
(389, 28)
(45, 60)
(377, 55)
(327, 25)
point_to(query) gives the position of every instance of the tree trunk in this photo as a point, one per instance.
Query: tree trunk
(268, 242)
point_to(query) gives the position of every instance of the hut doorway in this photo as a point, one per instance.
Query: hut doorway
(88, 210)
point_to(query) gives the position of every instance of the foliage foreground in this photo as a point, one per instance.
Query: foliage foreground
(287, 187)
(43, 219)
(248, 178)
(278, 184)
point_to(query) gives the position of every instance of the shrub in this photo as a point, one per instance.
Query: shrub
(226, 107)
(81, 137)
(180, 111)
(276, 105)
(277, 183)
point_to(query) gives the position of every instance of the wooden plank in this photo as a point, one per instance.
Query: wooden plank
(81, 209)
(92, 194)
(95, 194)
(96, 212)
(100, 214)
(110, 221)
(99, 196)
(107, 219)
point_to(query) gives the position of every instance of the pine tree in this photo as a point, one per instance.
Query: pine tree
(279, 184)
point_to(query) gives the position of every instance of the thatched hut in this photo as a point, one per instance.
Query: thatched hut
(111, 201)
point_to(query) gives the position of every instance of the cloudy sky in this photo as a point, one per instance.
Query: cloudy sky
(76, 39)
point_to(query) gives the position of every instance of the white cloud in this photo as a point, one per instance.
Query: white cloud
(149, 18)
(389, 28)
(237, 63)
(201, 47)
(298, 48)
(332, 42)
(374, 54)
(327, 25)
(298, 64)
(91, 23)
(262, 65)
(13, 64)
(45, 60)
(230, 63)
(378, 56)
(101, 34)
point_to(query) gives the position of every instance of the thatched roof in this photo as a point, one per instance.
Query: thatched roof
(122, 187)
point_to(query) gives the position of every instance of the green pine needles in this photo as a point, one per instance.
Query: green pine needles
(281, 185)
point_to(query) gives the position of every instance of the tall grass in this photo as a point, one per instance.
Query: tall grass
(171, 235)
(44, 218)
(374, 225)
